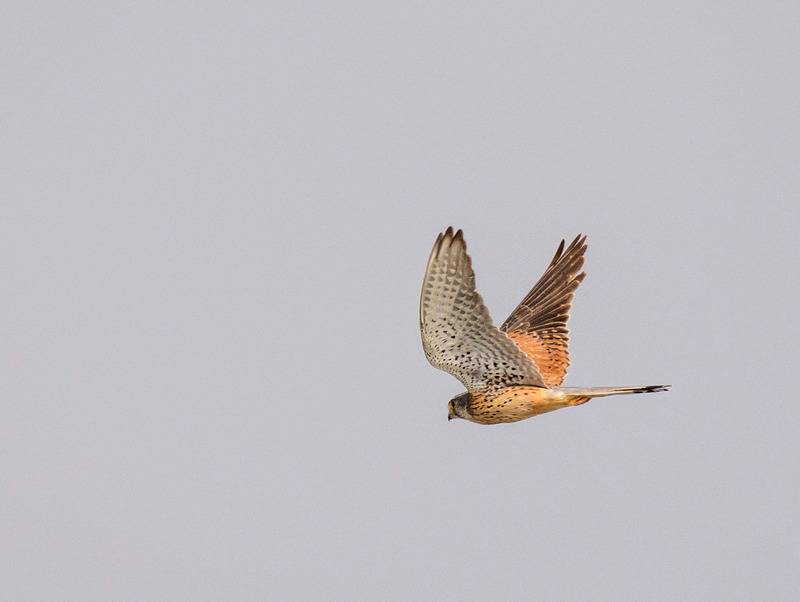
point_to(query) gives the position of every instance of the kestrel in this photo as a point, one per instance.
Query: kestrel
(513, 372)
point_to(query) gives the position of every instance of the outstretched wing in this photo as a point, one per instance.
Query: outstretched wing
(457, 333)
(539, 324)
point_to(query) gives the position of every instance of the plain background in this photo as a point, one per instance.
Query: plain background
(215, 221)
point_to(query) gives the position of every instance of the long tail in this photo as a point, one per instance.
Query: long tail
(578, 395)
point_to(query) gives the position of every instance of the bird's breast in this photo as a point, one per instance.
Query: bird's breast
(514, 403)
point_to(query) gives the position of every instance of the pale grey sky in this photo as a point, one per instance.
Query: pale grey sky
(214, 222)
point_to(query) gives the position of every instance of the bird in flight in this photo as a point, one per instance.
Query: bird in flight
(513, 372)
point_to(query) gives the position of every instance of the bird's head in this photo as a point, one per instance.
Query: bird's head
(457, 407)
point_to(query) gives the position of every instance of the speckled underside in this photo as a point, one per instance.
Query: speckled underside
(457, 332)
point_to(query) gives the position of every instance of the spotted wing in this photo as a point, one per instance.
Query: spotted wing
(457, 333)
(539, 323)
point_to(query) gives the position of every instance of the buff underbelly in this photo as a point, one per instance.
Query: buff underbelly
(516, 403)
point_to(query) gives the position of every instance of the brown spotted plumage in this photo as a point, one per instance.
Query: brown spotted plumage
(514, 372)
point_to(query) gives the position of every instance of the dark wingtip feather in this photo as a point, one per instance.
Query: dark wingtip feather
(559, 251)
